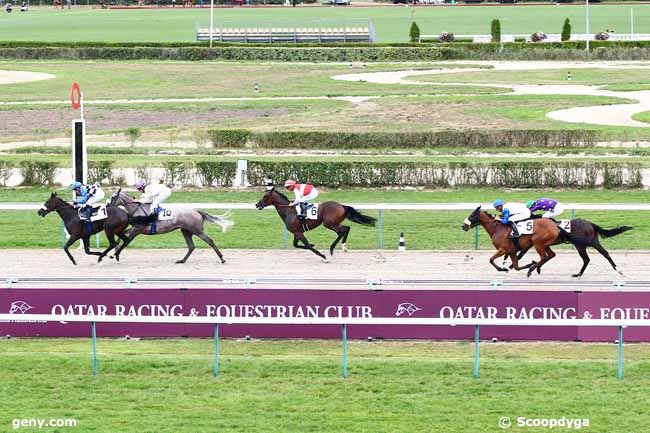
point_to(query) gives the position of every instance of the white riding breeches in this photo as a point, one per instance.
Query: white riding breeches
(520, 216)
(159, 199)
(96, 198)
(557, 210)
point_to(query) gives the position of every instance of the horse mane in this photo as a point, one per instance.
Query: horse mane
(282, 195)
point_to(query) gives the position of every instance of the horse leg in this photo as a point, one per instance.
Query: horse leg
(500, 252)
(307, 246)
(86, 241)
(541, 250)
(582, 250)
(132, 234)
(66, 247)
(111, 244)
(549, 255)
(210, 242)
(515, 263)
(605, 254)
(345, 239)
(520, 255)
(340, 231)
(190, 245)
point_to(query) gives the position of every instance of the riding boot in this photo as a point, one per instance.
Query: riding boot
(515, 232)
(84, 213)
(303, 210)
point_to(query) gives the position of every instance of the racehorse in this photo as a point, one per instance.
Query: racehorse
(330, 213)
(114, 224)
(588, 232)
(545, 234)
(190, 221)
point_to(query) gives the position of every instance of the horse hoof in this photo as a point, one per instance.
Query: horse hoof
(503, 270)
(576, 275)
(179, 262)
(223, 261)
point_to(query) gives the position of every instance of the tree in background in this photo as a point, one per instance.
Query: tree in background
(414, 33)
(566, 30)
(495, 31)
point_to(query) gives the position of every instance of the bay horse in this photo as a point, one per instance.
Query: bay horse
(115, 224)
(545, 234)
(189, 220)
(589, 233)
(330, 214)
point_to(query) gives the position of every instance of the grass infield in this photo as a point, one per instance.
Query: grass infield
(296, 386)
(391, 23)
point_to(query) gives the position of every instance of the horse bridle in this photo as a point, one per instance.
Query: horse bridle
(60, 205)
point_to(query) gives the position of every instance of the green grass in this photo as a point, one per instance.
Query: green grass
(391, 23)
(423, 229)
(642, 117)
(610, 79)
(296, 386)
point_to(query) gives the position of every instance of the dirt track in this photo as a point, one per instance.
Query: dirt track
(296, 265)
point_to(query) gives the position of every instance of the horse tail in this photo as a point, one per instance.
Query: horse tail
(354, 215)
(611, 232)
(223, 221)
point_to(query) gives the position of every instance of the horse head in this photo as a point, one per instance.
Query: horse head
(53, 203)
(267, 200)
(115, 197)
(473, 219)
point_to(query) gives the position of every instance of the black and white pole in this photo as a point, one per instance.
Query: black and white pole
(256, 87)
(79, 155)
(568, 76)
(402, 246)
(269, 184)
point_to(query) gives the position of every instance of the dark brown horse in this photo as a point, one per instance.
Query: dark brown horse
(115, 224)
(545, 234)
(588, 233)
(330, 213)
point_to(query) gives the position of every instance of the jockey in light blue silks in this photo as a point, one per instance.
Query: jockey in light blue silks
(86, 197)
(511, 213)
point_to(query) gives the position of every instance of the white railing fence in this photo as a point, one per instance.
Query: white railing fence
(323, 321)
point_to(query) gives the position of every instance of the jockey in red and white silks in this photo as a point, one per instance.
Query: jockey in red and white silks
(304, 192)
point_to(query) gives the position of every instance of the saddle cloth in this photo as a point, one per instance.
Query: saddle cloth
(312, 211)
(525, 227)
(165, 214)
(99, 213)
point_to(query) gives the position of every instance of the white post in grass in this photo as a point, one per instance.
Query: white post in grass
(632, 22)
(211, 20)
(587, 19)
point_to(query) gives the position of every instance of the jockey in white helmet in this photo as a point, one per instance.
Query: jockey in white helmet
(156, 194)
(304, 192)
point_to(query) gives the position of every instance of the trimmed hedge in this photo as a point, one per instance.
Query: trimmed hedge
(445, 138)
(38, 172)
(421, 52)
(506, 174)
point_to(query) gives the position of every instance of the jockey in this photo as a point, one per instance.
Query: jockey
(551, 207)
(304, 192)
(511, 213)
(87, 196)
(154, 194)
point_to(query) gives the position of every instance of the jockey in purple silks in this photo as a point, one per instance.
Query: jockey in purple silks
(551, 208)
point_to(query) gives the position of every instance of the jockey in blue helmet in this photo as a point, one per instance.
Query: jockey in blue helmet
(511, 213)
(86, 197)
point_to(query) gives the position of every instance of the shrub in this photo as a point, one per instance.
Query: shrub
(216, 173)
(414, 32)
(566, 31)
(538, 37)
(5, 172)
(177, 172)
(446, 37)
(495, 31)
(228, 137)
(133, 134)
(101, 171)
(602, 36)
(38, 172)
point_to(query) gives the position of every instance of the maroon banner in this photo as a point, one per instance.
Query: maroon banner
(223, 303)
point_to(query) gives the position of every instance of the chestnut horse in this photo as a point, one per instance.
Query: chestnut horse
(545, 234)
(330, 213)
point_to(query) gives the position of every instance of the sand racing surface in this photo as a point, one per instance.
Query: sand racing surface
(296, 268)
(13, 77)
